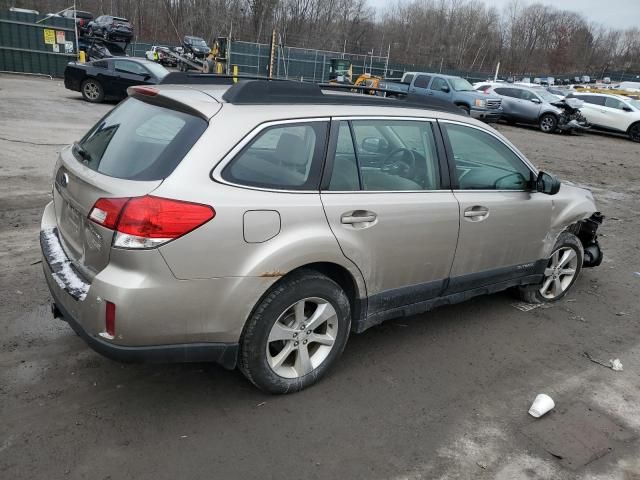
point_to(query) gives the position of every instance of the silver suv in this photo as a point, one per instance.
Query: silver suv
(258, 225)
(533, 105)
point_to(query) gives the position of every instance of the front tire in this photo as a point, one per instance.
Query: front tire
(634, 132)
(563, 268)
(92, 90)
(548, 123)
(295, 333)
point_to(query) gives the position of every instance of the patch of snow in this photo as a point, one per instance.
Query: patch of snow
(62, 270)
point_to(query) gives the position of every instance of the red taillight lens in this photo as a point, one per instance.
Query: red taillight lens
(106, 211)
(110, 319)
(146, 91)
(145, 222)
(155, 217)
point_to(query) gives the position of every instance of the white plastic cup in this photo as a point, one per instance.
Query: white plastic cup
(541, 405)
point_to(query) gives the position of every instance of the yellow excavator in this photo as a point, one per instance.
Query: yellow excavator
(341, 73)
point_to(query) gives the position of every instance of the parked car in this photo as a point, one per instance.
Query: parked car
(82, 19)
(258, 225)
(97, 48)
(614, 113)
(532, 105)
(455, 90)
(109, 78)
(195, 46)
(162, 55)
(111, 28)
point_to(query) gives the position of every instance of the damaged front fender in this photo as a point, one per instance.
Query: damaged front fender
(574, 209)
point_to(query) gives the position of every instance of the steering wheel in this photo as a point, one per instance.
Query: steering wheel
(403, 167)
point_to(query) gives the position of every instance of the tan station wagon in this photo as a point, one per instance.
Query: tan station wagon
(258, 224)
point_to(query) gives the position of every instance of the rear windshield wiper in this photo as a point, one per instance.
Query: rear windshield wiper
(80, 150)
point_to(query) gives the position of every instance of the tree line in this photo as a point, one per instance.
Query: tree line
(466, 35)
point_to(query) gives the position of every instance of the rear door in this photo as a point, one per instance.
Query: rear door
(126, 154)
(593, 109)
(503, 223)
(420, 85)
(387, 201)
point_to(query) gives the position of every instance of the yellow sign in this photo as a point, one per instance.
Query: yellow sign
(49, 36)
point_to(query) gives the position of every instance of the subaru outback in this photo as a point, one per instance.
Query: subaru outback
(258, 225)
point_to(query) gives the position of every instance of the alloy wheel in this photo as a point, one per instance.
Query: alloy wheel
(302, 338)
(91, 90)
(560, 272)
(547, 124)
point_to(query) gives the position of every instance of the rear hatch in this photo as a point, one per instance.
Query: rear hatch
(126, 154)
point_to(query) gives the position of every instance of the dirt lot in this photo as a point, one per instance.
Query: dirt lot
(443, 395)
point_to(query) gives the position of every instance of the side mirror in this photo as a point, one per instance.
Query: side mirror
(445, 89)
(627, 109)
(547, 184)
(374, 145)
(536, 100)
(146, 76)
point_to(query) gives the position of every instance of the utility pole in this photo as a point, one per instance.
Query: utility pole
(495, 78)
(386, 63)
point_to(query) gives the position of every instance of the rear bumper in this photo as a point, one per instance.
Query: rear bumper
(485, 115)
(224, 354)
(159, 318)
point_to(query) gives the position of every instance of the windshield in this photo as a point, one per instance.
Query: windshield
(158, 70)
(634, 103)
(198, 42)
(461, 85)
(546, 96)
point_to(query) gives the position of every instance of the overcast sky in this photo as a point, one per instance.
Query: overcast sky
(612, 13)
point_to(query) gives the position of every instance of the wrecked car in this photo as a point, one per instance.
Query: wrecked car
(259, 224)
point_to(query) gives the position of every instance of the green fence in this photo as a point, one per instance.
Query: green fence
(31, 47)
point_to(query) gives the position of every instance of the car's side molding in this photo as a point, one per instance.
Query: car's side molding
(417, 299)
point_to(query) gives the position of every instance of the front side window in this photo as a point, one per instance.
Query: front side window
(408, 78)
(286, 157)
(485, 163)
(389, 155)
(438, 83)
(613, 103)
(125, 66)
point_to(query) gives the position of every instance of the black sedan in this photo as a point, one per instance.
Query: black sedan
(109, 78)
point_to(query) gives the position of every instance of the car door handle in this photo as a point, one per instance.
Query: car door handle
(357, 216)
(476, 213)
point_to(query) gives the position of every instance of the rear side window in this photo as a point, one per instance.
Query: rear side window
(282, 157)
(422, 81)
(139, 141)
(613, 103)
(592, 99)
(507, 92)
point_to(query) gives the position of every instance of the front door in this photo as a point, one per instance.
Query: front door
(389, 208)
(503, 223)
(128, 74)
(440, 88)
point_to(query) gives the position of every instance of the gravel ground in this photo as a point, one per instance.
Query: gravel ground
(443, 398)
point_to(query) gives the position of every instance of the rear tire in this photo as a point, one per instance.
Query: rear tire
(548, 123)
(563, 268)
(296, 332)
(634, 132)
(92, 90)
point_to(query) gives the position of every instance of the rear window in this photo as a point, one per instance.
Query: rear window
(139, 141)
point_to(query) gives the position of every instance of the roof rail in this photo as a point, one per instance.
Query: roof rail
(256, 90)
(192, 78)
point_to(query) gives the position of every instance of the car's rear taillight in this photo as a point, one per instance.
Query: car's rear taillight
(106, 211)
(147, 222)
